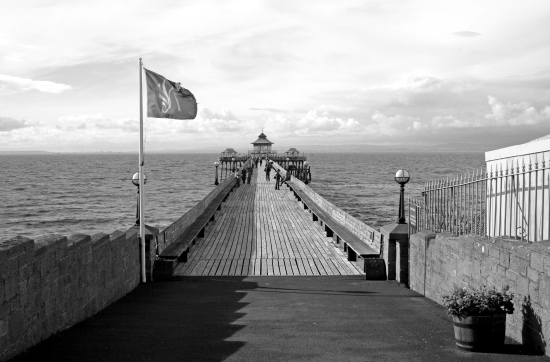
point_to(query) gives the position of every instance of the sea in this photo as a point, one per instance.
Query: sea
(91, 193)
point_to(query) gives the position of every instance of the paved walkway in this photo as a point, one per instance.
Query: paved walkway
(216, 318)
(263, 231)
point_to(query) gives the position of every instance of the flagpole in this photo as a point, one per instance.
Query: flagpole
(141, 176)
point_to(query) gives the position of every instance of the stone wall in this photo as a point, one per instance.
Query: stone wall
(52, 282)
(439, 262)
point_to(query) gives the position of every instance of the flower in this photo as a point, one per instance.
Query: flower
(463, 302)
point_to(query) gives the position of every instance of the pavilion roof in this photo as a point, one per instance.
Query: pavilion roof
(262, 140)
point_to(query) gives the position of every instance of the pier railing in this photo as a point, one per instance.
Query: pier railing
(512, 201)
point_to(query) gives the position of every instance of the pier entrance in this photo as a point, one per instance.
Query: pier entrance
(264, 231)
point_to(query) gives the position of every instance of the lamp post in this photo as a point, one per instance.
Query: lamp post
(402, 177)
(135, 181)
(233, 164)
(305, 172)
(216, 164)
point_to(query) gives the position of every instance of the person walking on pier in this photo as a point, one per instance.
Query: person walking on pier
(243, 175)
(249, 174)
(267, 171)
(238, 177)
(277, 179)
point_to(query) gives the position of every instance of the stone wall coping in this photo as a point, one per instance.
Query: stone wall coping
(15, 246)
(78, 240)
(47, 243)
(396, 231)
(117, 236)
(518, 247)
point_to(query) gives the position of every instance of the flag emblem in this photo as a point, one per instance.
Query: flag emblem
(167, 99)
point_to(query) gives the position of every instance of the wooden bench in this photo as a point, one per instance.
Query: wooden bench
(358, 250)
(178, 250)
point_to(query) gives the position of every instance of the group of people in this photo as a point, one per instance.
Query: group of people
(278, 177)
(245, 174)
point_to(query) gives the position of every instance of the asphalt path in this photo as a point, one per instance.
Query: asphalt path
(321, 318)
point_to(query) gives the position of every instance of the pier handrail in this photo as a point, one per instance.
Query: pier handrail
(368, 234)
(174, 230)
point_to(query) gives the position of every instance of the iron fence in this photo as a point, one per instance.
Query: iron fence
(508, 200)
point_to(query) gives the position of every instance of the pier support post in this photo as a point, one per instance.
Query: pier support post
(396, 252)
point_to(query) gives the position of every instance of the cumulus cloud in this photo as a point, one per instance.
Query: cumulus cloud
(9, 124)
(320, 120)
(392, 125)
(515, 114)
(10, 85)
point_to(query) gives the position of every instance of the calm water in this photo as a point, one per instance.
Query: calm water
(78, 193)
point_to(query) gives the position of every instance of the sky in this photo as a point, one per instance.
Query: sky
(457, 75)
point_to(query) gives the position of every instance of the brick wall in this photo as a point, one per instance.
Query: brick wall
(438, 262)
(52, 282)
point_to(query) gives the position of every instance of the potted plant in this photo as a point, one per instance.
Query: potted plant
(479, 316)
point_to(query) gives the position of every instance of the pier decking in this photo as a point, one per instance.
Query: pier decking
(263, 231)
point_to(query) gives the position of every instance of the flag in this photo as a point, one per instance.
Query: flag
(166, 99)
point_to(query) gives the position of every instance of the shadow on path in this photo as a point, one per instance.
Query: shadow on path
(264, 318)
(166, 321)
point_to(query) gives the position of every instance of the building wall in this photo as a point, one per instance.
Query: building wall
(440, 262)
(519, 199)
(52, 282)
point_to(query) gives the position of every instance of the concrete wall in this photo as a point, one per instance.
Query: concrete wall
(52, 282)
(439, 262)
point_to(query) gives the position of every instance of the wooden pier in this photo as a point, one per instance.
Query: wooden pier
(263, 231)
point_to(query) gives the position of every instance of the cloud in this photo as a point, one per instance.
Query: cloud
(515, 114)
(466, 34)
(393, 125)
(11, 85)
(97, 122)
(452, 122)
(9, 124)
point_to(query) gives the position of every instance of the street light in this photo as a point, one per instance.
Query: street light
(233, 164)
(305, 172)
(216, 164)
(135, 181)
(402, 177)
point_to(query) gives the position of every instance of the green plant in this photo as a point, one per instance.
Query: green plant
(464, 302)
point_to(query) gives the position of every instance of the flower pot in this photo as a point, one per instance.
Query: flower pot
(480, 333)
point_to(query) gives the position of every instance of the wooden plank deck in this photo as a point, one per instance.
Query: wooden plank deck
(263, 231)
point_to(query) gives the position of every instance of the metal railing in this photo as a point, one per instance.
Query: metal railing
(456, 205)
(506, 201)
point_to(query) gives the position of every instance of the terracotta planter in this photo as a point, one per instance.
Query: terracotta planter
(480, 333)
